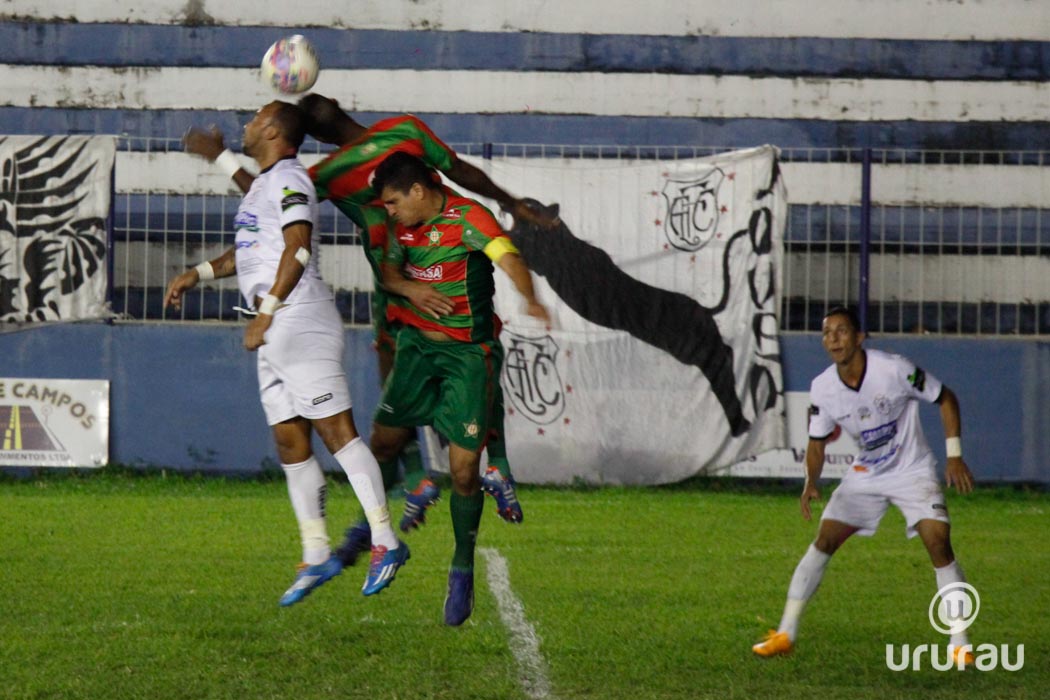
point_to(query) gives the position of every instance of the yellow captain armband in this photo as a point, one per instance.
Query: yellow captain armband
(498, 247)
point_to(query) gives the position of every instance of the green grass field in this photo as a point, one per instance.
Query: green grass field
(121, 585)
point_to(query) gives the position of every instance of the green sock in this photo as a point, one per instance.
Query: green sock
(497, 454)
(412, 461)
(466, 516)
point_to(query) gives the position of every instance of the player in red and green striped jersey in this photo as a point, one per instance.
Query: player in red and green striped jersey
(438, 267)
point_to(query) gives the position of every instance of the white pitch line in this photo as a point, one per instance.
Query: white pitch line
(524, 642)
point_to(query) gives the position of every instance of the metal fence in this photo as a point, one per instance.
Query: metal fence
(944, 242)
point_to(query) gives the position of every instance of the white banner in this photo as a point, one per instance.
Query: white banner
(664, 285)
(790, 463)
(54, 203)
(54, 422)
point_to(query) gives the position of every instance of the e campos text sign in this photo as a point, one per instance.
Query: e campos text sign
(54, 422)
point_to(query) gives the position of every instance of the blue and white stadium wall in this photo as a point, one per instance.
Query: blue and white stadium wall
(186, 397)
(932, 74)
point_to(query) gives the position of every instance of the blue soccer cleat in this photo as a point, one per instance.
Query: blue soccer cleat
(310, 577)
(357, 541)
(459, 602)
(383, 567)
(416, 504)
(502, 489)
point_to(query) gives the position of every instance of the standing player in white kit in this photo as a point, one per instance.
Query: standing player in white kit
(873, 396)
(299, 337)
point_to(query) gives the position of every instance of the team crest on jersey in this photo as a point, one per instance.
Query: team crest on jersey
(882, 404)
(434, 236)
(471, 429)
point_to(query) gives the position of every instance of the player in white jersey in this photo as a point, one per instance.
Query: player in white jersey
(300, 341)
(874, 396)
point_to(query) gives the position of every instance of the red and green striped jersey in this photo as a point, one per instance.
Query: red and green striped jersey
(448, 253)
(344, 177)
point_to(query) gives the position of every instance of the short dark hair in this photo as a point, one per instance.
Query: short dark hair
(290, 121)
(324, 117)
(849, 313)
(402, 170)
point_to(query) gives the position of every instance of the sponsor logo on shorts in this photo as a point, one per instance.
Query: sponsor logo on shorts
(322, 398)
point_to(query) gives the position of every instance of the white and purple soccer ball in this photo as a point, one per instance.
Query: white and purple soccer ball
(290, 65)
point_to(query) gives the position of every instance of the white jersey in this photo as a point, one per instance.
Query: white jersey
(281, 195)
(882, 414)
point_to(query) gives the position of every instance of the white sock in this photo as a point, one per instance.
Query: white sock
(952, 573)
(306, 488)
(804, 583)
(363, 471)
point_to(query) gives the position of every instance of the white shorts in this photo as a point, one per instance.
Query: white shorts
(301, 365)
(861, 500)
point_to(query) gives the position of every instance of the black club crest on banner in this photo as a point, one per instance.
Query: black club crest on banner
(531, 377)
(691, 216)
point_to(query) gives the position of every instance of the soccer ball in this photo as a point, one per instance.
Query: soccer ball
(290, 65)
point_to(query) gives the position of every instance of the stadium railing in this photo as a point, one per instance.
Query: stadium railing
(943, 242)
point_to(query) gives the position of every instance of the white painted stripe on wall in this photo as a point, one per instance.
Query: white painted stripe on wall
(887, 19)
(471, 92)
(807, 183)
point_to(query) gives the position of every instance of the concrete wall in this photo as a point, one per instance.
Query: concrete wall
(185, 396)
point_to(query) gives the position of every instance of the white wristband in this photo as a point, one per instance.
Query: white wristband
(205, 271)
(953, 447)
(269, 304)
(228, 162)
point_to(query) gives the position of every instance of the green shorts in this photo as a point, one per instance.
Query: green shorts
(451, 386)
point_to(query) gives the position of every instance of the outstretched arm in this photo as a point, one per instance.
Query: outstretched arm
(956, 472)
(211, 146)
(518, 272)
(223, 266)
(474, 179)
